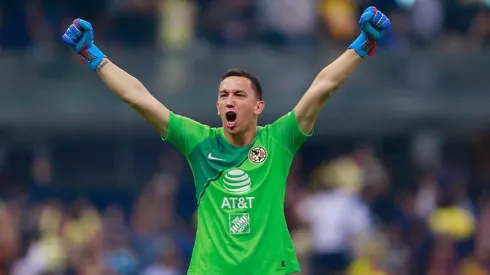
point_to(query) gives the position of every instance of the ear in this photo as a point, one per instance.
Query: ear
(217, 106)
(259, 107)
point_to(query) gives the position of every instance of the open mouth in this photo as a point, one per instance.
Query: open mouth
(230, 119)
(230, 116)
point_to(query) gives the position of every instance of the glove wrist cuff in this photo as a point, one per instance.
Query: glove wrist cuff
(363, 45)
(92, 57)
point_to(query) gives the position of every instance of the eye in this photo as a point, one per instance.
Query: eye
(222, 95)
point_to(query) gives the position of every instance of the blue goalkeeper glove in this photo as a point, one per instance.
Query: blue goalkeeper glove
(80, 37)
(373, 23)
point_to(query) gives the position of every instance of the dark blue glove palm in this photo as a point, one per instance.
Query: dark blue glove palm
(373, 23)
(80, 37)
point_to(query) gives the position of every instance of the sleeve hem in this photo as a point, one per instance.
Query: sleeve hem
(293, 112)
(165, 137)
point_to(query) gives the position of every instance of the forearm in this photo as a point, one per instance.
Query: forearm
(124, 85)
(80, 37)
(334, 75)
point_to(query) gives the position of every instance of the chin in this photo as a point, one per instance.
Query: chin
(233, 131)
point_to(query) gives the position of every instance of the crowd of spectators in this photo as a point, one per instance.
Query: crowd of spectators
(177, 24)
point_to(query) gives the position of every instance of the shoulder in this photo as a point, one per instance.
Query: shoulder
(178, 118)
(184, 124)
(281, 126)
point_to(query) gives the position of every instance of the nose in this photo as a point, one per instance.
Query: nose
(230, 102)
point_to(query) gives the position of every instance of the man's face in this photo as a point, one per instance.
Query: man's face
(238, 105)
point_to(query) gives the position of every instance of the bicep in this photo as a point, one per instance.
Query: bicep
(133, 92)
(154, 112)
(309, 107)
(325, 84)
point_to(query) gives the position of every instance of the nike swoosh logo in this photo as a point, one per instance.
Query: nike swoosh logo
(210, 156)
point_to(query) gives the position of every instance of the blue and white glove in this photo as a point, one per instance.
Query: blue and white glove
(80, 37)
(373, 23)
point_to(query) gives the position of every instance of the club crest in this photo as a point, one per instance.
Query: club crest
(257, 154)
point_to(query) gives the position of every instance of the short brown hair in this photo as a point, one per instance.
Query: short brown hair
(242, 73)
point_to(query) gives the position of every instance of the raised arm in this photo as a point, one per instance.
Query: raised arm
(133, 92)
(373, 23)
(324, 85)
(80, 37)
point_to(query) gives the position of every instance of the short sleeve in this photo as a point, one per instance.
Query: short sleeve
(185, 133)
(286, 130)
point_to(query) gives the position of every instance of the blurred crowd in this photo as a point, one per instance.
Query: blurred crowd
(178, 24)
(353, 209)
(51, 227)
(86, 208)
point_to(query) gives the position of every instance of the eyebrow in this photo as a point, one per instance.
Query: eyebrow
(236, 91)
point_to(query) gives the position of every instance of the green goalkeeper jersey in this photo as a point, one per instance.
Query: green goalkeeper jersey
(240, 191)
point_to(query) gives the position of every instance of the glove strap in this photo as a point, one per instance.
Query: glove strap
(91, 56)
(364, 45)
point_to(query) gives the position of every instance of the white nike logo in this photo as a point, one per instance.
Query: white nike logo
(210, 156)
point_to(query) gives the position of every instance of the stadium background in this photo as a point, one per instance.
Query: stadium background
(87, 187)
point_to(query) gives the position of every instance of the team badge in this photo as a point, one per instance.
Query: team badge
(257, 154)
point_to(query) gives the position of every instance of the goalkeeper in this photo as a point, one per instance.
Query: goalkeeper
(239, 169)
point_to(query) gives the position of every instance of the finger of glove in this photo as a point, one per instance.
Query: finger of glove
(367, 15)
(68, 40)
(82, 25)
(380, 21)
(75, 31)
(72, 35)
(371, 31)
(87, 33)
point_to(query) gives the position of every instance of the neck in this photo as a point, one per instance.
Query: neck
(242, 139)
